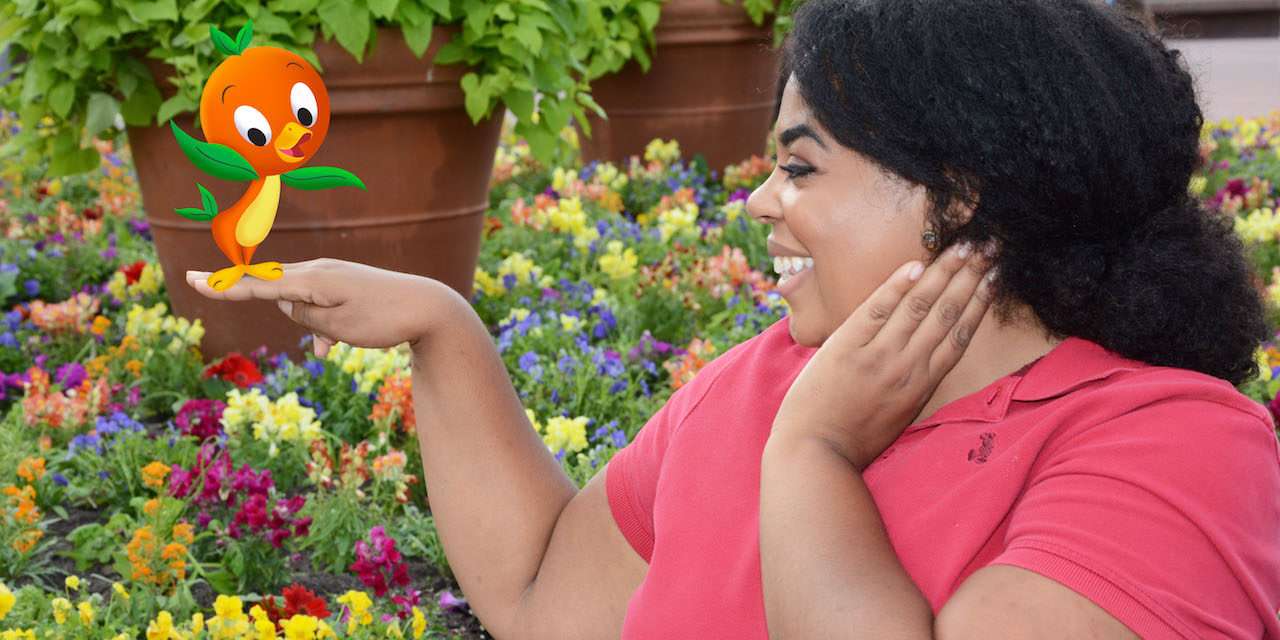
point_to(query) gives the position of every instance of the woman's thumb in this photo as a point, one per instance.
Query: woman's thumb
(301, 313)
(285, 306)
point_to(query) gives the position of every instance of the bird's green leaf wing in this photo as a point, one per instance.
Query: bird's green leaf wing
(217, 160)
(315, 178)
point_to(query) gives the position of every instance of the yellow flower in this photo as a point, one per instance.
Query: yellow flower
(487, 284)
(419, 623)
(61, 607)
(738, 207)
(20, 634)
(566, 433)
(520, 266)
(197, 623)
(301, 627)
(162, 628)
(120, 590)
(86, 613)
(663, 152)
(229, 621)
(359, 603)
(72, 583)
(7, 600)
(570, 323)
(262, 624)
(616, 262)
(678, 220)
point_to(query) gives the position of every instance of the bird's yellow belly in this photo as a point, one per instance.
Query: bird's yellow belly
(258, 217)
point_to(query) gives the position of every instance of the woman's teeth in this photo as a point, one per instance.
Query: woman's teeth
(788, 267)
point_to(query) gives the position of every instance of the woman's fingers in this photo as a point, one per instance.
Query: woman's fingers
(294, 285)
(321, 346)
(948, 352)
(944, 319)
(875, 311)
(923, 299)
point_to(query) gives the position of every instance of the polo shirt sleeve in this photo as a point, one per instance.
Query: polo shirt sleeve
(631, 476)
(1167, 517)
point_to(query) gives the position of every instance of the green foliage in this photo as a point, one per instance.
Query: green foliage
(416, 537)
(339, 519)
(95, 544)
(79, 65)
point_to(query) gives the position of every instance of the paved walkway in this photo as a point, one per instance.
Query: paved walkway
(1235, 77)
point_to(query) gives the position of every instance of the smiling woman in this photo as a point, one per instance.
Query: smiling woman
(1002, 405)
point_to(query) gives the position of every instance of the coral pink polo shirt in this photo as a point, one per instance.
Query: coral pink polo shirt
(1152, 491)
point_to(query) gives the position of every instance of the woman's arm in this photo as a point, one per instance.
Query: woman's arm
(830, 571)
(536, 557)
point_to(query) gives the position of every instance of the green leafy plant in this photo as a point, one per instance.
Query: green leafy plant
(80, 64)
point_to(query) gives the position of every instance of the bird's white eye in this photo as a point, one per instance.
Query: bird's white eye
(252, 125)
(303, 104)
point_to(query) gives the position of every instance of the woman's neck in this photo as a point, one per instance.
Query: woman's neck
(995, 351)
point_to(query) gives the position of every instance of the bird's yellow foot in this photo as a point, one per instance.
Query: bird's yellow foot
(266, 270)
(223, 279)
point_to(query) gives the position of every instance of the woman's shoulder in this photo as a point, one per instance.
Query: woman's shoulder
(1173, 412)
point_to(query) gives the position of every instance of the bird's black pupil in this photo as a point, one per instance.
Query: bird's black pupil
(257, 137)
(304, 116)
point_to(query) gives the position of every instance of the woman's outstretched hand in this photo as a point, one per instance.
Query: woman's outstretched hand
(875, 373)
(344, 301)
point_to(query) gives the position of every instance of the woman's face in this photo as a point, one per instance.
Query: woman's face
(829, 204)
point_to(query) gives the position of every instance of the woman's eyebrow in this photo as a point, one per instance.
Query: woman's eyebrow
(800, 131)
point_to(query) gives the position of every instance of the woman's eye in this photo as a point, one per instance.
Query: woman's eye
(796, 171)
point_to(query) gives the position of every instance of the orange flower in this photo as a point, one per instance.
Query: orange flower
(100, 325)
(151, 506)
(184, 532)
(153, 474)
(696, 357)
(27, 540)
(134, 366)
(31, 469)
(395, 403)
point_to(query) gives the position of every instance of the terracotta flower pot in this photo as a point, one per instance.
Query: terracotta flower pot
(710, 86)
(398, 122)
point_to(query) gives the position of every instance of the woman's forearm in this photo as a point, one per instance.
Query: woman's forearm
(828, 567)
(495, 490)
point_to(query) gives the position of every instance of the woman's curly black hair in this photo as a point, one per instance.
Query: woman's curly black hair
(1073, 131)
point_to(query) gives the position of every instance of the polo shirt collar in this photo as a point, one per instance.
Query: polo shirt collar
(1073, 363)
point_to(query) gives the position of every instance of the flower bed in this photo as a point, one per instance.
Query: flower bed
(158, 490)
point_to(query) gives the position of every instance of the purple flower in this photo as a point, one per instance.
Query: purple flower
(451, 603)
(140, 228)
(509, 281)
(314, 367)
(60, 480)
(619, 439)
(740, 194)
(529, 364)
(32, 287)
(109, 253)
(70, 375)
(618, 387)
(8, 340)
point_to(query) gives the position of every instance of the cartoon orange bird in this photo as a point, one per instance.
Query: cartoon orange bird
(264, 112)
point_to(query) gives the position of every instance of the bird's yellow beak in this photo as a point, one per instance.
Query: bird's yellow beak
(289, 142)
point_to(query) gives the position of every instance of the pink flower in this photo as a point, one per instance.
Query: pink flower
(200, 418)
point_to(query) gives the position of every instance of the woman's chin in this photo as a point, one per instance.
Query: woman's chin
(804, 332)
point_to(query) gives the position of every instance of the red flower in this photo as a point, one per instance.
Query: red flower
(92, 213)
(298, 600)
(133, 271)
(237, 369)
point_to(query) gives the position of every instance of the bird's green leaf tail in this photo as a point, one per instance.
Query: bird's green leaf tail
(201, 215)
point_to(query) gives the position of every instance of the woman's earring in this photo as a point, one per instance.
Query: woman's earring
(930, 238)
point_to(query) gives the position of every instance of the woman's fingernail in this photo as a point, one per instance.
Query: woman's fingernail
(286, 307)
(964, 250)
(916, 271)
